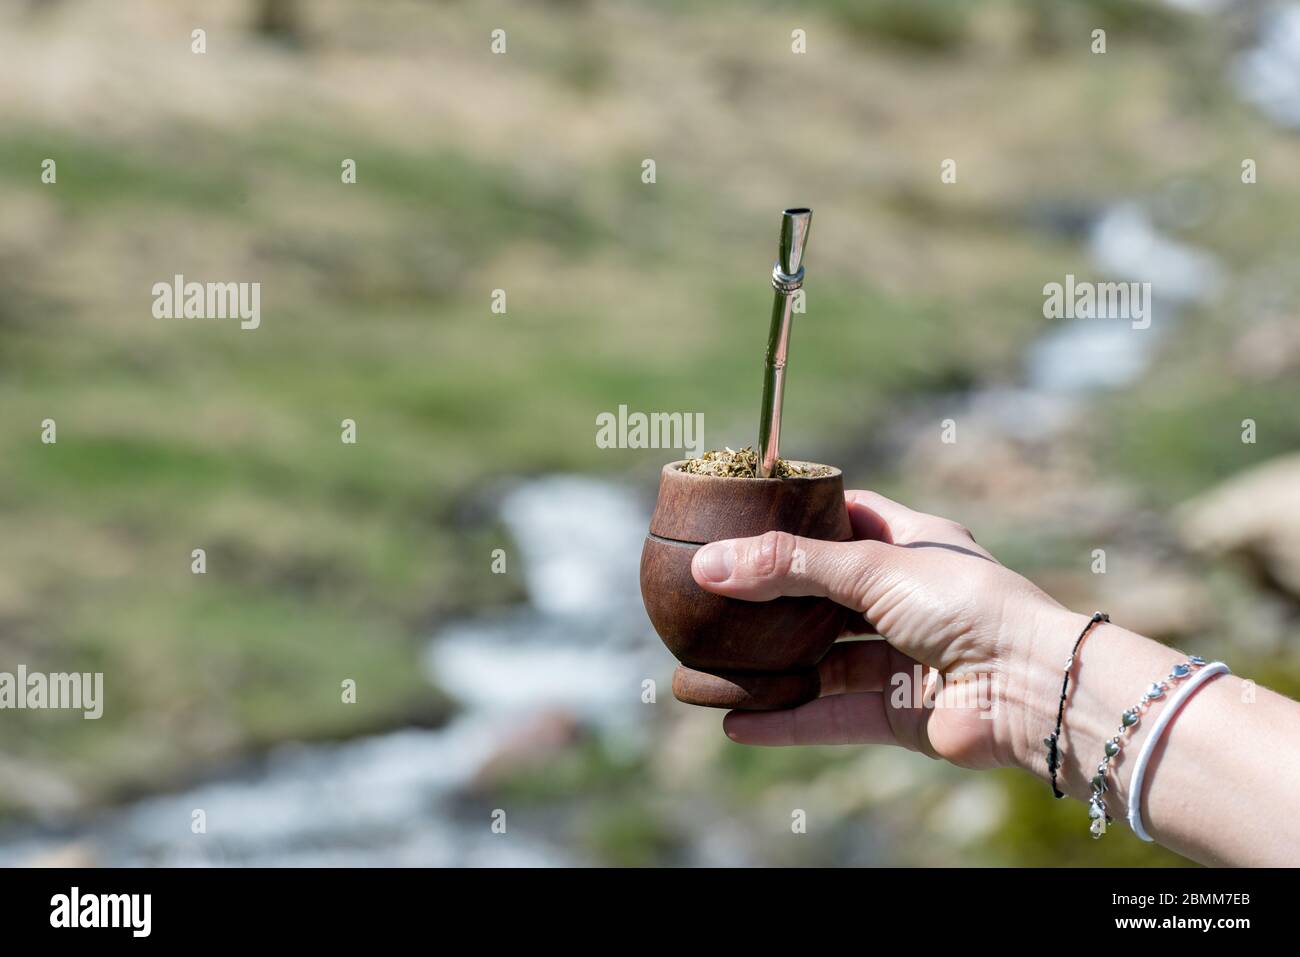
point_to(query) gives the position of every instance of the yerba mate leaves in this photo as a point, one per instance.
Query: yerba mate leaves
(744, 464)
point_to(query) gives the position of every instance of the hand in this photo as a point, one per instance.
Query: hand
(941, 601)
(937, 599)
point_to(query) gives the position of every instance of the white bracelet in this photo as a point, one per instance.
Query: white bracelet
(1162, 722)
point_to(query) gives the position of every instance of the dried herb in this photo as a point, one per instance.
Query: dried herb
(744, 464)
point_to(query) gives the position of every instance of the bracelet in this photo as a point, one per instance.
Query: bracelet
(1128, 721)
(1149, 746)
(1053, 741)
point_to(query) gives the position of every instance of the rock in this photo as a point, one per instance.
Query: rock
(538, 740)
(1158, 599)
(1254, 516)
(37, 790)
(79, 854)
(1268, 349)
(690, 748)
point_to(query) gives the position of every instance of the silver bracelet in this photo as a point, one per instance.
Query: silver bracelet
(1166, 718)
(1128, 721)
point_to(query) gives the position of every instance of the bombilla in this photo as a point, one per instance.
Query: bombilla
(787, 279)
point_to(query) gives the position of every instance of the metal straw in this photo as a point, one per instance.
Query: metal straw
(787, 279)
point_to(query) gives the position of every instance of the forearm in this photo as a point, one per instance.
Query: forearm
(1223, 783)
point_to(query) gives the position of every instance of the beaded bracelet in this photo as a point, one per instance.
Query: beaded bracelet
(1053, 741)
(1128, 721)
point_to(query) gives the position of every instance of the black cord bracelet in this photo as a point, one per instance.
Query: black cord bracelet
(1054, 756)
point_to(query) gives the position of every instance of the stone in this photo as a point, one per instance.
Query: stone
(1253, 517)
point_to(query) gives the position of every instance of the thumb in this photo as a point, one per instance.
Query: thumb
(778, 563)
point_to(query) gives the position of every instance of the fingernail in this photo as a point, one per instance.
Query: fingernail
(728, 726)
(716, 561)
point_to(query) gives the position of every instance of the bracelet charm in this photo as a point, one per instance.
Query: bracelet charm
(1128, 721)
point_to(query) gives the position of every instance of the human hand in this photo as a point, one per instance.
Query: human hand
(937, 598)
(940, 601)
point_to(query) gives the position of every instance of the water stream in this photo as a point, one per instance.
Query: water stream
(581, 646)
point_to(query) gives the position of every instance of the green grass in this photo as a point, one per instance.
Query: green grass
(102, 177)
(1177, 437)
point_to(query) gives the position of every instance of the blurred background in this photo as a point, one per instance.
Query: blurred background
(372, 562)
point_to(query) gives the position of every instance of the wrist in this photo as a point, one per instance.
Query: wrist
(1034, 672)
(1112, 669)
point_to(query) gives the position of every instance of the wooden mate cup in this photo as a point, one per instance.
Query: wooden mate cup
(733, 653)
(739, 654)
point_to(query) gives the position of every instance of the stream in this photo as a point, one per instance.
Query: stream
(581, 646)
